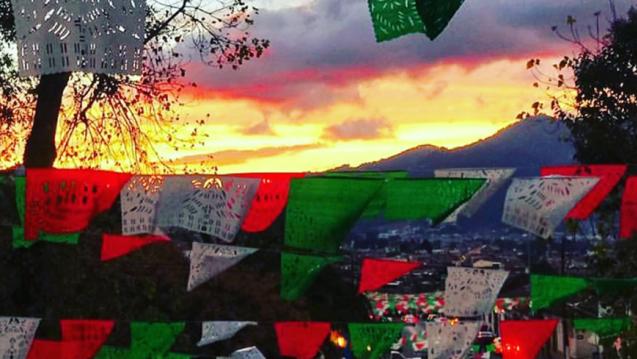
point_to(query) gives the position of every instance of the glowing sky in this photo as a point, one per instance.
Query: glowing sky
(326, 94)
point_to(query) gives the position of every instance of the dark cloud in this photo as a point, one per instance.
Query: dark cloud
(235, 157)
(319, 49)
(359, 129)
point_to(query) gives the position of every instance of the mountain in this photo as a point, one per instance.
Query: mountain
(526, 145)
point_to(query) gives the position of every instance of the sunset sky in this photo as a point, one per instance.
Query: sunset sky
(326, 94)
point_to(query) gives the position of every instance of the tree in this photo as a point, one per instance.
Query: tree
(102, 116)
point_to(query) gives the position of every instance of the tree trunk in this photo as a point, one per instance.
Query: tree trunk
(40, 149)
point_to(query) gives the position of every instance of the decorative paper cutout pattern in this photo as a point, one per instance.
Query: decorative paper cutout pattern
(523, 339)
(538, 205)
(436, 15)
(395, 18)
(547, 289)
(604, 327)
(371, 341)
(148, 340)
(299, 271)
(16, 336)
(247, 353)
(139, 200)
(206, 204)
(208, 260)
(321, 211)
(85, 35)
(450, 341)
(64, 201)
(609, 176)
(495, 179)
(470, 292)
(301, 340)
(415, 336)
(115, 246)
(81, 339)
(212, 332)
(418, 305)
(430, 198)
(628, 217)
(269, 201)
(375, 273)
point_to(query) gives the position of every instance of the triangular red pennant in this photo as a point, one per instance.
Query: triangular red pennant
(64, 201)
(81, 339)
(378, 272)
(628, 218)
(609, 176)
(269, 201)
(115, 246)
(301, 340)
(523, 339)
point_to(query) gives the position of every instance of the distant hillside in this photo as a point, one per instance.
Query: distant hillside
(526, 145)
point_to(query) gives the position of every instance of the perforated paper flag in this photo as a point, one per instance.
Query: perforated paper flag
(372, 340)
(523, 339)
(628, 218)
(139, 198)
(81, 339)
(208, 260)
(604, 327)
(269, 201)
(214, 205)
(375, 273)
(609, 176)
(115, 246)
(450, 341)
(430, 198)
(395, 18)
(84, 35)
(60, 201)
(436, 14)
(148, 340)
(247, 353)
(299, 271)
(495, 179)
(301, 340)
(470, 292)
(212, 332)
(548, 289)
(321, 211)
(538, 205)
(16, 336)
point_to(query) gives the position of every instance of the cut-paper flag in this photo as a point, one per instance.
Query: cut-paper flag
(16, 336)
(417, 305)
(81, 339)
(436, 14)
(471, 292)
(301, 340)
(246, 353)
(322, 210)
(148, 340)
(269, 201)
(495, 179)
(208, 260)
(105, 37)
(613, 286)
(547, 289)
(299, 271)
(371, 340)
(538, 205)
(395, 18)
(604, 327)
(375, 273)
(429, 198)
(212, 332)
(139, 199)
(60, 201)
(448, 340)
(609, 176)
(523, 339)
(214, 205)
(628, 216)
(115, 246)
